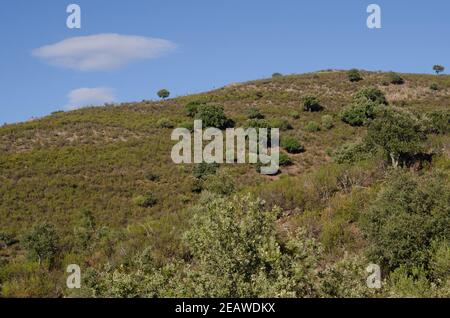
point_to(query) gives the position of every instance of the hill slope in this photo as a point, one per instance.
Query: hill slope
(102, 159)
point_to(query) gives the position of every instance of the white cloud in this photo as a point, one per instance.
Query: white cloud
(96, 96)
(102, 51)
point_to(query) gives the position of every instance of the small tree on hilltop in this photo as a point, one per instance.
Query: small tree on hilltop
(438, 68)
(163, 93)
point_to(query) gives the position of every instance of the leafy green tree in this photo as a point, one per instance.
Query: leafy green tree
(397, 133)
(163, 93)
(354, 75)
(275, 75)
(438, 68)
(42, 243)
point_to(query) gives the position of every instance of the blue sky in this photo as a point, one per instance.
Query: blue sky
(206, 44)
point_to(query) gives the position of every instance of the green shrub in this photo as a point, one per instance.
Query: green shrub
(192, 108)
(292, 145)
(359, 113)
(284, 160)
(188, 125)
(42, 243)
(213, 116)
(373, 94)
(221, 183)
(439, 122)
(254, 113)
(257, 123)
(281, 124)
(294, 114)
(327, 122)
(312, 126)
(395, 79)
(407, 216)
(275, 75)
(163, 93)
(354, 75)
(311, 104)
(434, 87)
(164, 123)
(235, 246)
(145, 201)
(353, 152)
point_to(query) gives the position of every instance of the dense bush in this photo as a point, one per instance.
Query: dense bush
(354, 75)
(220, 183)
(359, 113)
(408, 215)
(353, 152)
(192, 108)
(292, 145)
(373, 94)
(275, 75)
(439, 121)
(311, 104)
(213, 116)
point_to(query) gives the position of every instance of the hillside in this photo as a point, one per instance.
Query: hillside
(86, 171)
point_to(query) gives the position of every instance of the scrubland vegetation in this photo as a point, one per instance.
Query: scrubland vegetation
(364, 178)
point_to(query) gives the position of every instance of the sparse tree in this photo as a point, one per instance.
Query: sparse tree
(163, 93)
(438, 68)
